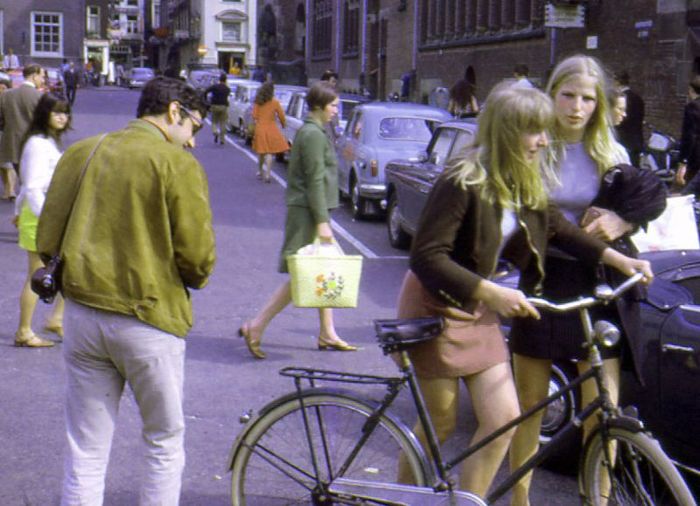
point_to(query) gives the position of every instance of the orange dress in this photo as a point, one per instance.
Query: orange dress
(268, 138)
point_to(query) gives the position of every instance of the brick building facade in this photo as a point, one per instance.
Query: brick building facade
(42, 31)
(373, 43)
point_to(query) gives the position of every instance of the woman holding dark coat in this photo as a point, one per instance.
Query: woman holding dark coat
(312, 191)
(491, 202)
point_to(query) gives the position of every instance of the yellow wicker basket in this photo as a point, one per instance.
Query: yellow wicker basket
(322, 276)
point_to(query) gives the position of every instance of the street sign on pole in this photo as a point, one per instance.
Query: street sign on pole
(564, 16)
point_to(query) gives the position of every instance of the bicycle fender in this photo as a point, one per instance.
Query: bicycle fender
(341, 392)
(623, 422)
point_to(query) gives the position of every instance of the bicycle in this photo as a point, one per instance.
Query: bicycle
(325, 446)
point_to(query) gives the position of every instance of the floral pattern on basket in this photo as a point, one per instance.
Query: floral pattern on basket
(329, 287)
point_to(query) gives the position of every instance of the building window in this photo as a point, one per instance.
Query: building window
(47, 33)
(93, 20)
(351, 27)
(230, 31)
(322, 28)
(132, 24)
(467, 22)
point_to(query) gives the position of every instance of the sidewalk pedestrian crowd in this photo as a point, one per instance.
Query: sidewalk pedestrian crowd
(129, 215)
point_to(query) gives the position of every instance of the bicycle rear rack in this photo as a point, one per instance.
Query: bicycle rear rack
(313, 375)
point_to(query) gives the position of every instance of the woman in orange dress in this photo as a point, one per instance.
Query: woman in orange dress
(268, 138)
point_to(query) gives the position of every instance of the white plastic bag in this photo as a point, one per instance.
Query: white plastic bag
(674, 229)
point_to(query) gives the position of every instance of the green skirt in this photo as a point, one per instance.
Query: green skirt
(299, 230)
(28, 223)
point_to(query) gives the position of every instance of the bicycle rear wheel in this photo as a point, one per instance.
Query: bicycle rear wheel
(642, 473)
(273, 464)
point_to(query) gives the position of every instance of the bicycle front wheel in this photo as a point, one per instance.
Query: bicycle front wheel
(641, 473)
(274, 464)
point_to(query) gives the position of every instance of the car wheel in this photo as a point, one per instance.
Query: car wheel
(398, 238)
(357, 202)
(564, 457)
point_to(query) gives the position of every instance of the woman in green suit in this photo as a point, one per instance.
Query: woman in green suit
(312, 191)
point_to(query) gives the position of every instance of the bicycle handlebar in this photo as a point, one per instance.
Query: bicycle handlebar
(603, 294)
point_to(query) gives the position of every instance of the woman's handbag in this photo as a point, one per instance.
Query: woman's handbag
(323, 276)
(46, 281)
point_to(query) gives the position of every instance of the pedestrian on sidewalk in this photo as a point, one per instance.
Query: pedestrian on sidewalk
(16, 112)
(40, 153)
(142, 206)
(267, 138)
(219, 94)
(71, 80)
(312, 191)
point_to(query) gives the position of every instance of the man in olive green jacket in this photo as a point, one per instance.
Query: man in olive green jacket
(138, 235)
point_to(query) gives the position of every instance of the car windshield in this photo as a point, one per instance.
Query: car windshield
(284, 96)
(346, 108)
(413, 129)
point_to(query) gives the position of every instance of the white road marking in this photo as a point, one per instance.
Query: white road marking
(342, 232)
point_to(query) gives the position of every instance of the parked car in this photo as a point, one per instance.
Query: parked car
(296, 111)
(137, 77)
(408, 182)
(347, 104)
(242, 98)
(668, 398)
(376, 133)
(200, 80)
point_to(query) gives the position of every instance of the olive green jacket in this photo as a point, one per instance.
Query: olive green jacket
(312, 176)
(140, 232)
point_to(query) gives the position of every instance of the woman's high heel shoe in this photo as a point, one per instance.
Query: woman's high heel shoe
(338, 345)
(253, 346)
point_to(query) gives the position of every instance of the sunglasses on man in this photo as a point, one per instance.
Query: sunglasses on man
(196, 123)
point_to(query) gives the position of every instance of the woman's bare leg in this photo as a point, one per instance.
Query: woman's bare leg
(532, 383)
(495, 403)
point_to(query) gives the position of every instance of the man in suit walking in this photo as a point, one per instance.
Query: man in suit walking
(16, 112)
(631, 130)
(70, 79)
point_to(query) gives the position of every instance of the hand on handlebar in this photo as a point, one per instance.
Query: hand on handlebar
(627, 265)
(506, 302)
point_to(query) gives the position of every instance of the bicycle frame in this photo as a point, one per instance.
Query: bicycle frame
(441, 467)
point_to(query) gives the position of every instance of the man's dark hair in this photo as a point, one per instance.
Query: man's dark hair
(161, 91)
(30, 69)
(222, 78)
(623, 78)
(521, 69)
(326, 76)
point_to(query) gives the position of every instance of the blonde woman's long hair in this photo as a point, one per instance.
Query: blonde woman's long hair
(496, 159)
(598, 138)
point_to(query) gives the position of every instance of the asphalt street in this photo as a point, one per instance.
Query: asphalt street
(222, 379)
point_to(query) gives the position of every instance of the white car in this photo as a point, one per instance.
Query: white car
(239, 102)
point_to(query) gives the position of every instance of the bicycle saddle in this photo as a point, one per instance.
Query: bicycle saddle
(400, 334)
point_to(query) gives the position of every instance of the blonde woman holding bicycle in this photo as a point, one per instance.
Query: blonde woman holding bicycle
(491, 202)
